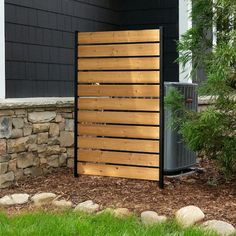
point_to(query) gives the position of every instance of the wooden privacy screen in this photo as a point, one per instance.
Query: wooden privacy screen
(118, 104)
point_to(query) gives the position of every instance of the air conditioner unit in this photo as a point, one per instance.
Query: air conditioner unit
(177, 156)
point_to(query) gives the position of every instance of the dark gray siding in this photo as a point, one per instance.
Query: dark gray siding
(40, 42)
(40, 38)
(141, 14)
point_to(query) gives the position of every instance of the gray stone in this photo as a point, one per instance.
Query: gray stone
(20, 198)
(151, 217)
(5, 158)
(33, 171)
(17, 145)
(41, 117)
(70, 162)
(66, 139)
(121, 212)
(70, 152)
(54, 141)
(25, 160)
(42, 148)
(18, 123)
(16, 133)
(3, 147)
(43, 198)
(20, 112)
(58, 118)
(62, 204)
(19, 174)
(62, 159)
(189, 215)
(69, 125)
(3, 167)
(54, 130)
(7, 177)
(42, 138)
(40, 128)
(53, 161)
(87, 206)
(52, 150)
(12, 165)
(5, 127)
(27, 130)
(32, 139)
(220, 227)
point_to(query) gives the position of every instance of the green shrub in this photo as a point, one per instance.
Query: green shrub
(211, 132)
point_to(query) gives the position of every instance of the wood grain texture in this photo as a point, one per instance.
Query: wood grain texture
(119, 91)
(119, 50)
(123, 131)
(119, 104)
(128, 36)
(125, 158)
(134, 145)
(119, 171)
(119, 77)
(140, 118)
(139, 63)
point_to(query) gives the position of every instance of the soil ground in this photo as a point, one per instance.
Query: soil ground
(205, 189)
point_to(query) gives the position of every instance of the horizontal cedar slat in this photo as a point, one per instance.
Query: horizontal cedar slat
(119, 36)
(119, 171)
(141, 63)
(119, 131)
(124, 158)
(119, 77)
(142, 118)
(119, 104)
(148, 49)
(133, 145)
(119, 91)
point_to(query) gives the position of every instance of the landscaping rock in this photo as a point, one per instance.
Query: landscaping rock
(189, 215)
(151, 217)
(41, 117)
(221, 227)
(121, 212)
(14, 199)
(43, 198)
(62, 204)
(87, 206)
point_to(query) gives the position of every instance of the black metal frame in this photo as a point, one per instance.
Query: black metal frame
(76, 106)
(161, 102)
(162, 119)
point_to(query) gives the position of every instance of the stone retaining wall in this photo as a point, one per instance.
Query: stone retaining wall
(36, 136)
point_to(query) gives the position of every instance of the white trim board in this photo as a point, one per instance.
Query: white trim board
(185, 23)
(2, 51)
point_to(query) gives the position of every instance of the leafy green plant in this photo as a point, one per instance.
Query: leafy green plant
(211, 132)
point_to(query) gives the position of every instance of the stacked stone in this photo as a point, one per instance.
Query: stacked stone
(33, 141)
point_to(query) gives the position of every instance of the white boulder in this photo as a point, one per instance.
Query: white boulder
(43, 198)
(151, 217)
(87, 207)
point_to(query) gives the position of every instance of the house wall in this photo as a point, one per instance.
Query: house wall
(141, 14)
(40, 42)
(40, 38)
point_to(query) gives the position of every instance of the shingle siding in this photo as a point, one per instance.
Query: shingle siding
(40, 38)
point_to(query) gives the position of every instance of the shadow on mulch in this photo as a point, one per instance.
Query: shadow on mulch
(218, 201)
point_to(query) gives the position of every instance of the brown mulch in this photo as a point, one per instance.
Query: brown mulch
(215, 197)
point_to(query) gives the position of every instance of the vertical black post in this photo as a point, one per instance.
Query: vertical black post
(76, 105)
(162, 119)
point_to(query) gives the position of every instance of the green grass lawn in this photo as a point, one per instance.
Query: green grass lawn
(68, 223)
